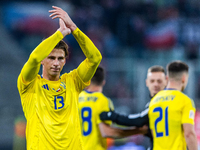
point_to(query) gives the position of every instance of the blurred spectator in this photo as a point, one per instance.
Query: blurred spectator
(136, 25)
(191, 50)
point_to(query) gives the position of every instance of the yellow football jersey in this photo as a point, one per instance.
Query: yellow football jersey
(51, 109)
(168, 110)
(91, 104)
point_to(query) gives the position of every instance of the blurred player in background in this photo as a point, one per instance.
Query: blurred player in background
(156, 81)
(91, 103)
(171, 113)
(50, 101)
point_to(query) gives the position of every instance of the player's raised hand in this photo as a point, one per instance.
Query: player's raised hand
(63, 29)
(57, 12)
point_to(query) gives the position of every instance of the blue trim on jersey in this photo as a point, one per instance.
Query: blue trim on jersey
(170, 89)
(88, 91)
(47, 86)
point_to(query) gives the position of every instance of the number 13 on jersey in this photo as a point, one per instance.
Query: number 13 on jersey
(162, 118)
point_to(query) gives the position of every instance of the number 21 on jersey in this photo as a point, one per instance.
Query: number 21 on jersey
(86, 115)
(162, 112)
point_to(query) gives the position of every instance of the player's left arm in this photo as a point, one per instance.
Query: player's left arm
(137, 120)
(188, 124)
(88, 67)
(190, 136)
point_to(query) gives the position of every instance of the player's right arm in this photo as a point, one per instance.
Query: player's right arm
(32, 66)
(138, 120)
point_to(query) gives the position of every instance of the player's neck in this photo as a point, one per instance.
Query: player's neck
(94, 88)
(51, 78)
(174, 85)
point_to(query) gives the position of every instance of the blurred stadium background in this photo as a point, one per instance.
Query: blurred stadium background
(132, 35)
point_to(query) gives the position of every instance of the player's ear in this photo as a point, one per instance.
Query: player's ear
(183, 78)
(104, 82)
(146, 82)
(42, 62)
(167, 78)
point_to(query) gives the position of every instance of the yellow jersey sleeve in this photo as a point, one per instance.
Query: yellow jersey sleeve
(32, 66)
(188, 112)
(79, 83)
(104, 105)
(88, 67)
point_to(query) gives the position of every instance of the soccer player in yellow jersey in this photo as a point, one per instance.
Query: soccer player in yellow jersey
(50, 101)
(155, 81)
(171, 113)
(91, 103)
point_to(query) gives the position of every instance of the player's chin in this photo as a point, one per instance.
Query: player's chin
(55, 73)
(156, 91)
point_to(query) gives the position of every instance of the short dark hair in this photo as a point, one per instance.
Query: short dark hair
(62, 45)
(176, 68)
(156, 68)
(99, 76)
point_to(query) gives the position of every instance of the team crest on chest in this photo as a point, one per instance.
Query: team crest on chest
(58, 90)
(62, 85)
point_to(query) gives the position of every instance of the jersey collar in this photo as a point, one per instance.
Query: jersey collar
(88, 91)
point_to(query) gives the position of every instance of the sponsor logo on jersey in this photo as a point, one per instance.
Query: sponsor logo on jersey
(191, 115)
(45, 86)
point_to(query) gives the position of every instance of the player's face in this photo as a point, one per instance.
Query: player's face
(53, 64)
(156, 81)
